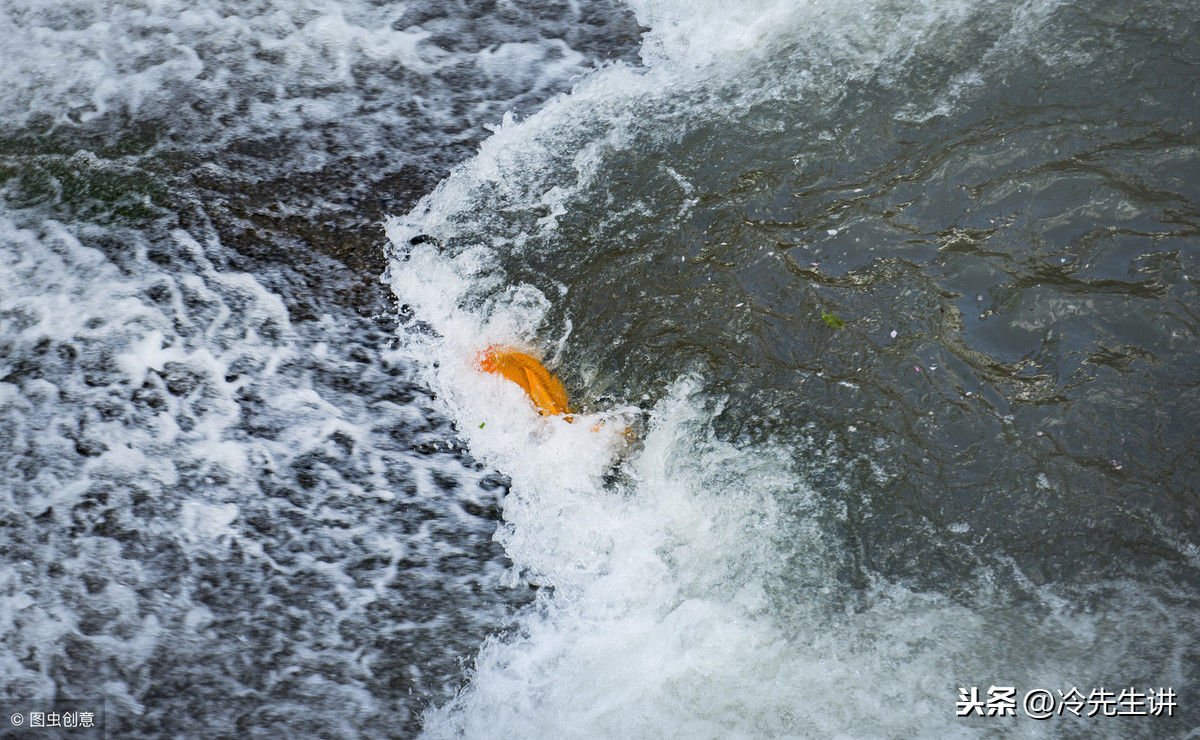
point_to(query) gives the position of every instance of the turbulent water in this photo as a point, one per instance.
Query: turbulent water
(880, 319)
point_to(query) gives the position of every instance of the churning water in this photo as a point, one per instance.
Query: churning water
(896, 298)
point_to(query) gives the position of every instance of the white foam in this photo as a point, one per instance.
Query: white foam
(402, 80)
(169, 415)
(207, 521)
(676, 610)
(705, 31)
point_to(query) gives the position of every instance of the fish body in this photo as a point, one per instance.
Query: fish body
(544, 389)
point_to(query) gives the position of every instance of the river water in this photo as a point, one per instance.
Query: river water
(896, 301)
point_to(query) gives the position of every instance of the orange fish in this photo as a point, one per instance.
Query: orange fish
(543, 388)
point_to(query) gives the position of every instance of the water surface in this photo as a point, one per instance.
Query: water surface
(899, 299)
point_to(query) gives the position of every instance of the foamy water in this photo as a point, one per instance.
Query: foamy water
(181, 458)
(229, 507)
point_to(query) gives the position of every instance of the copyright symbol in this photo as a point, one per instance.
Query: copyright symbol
(17, 718)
